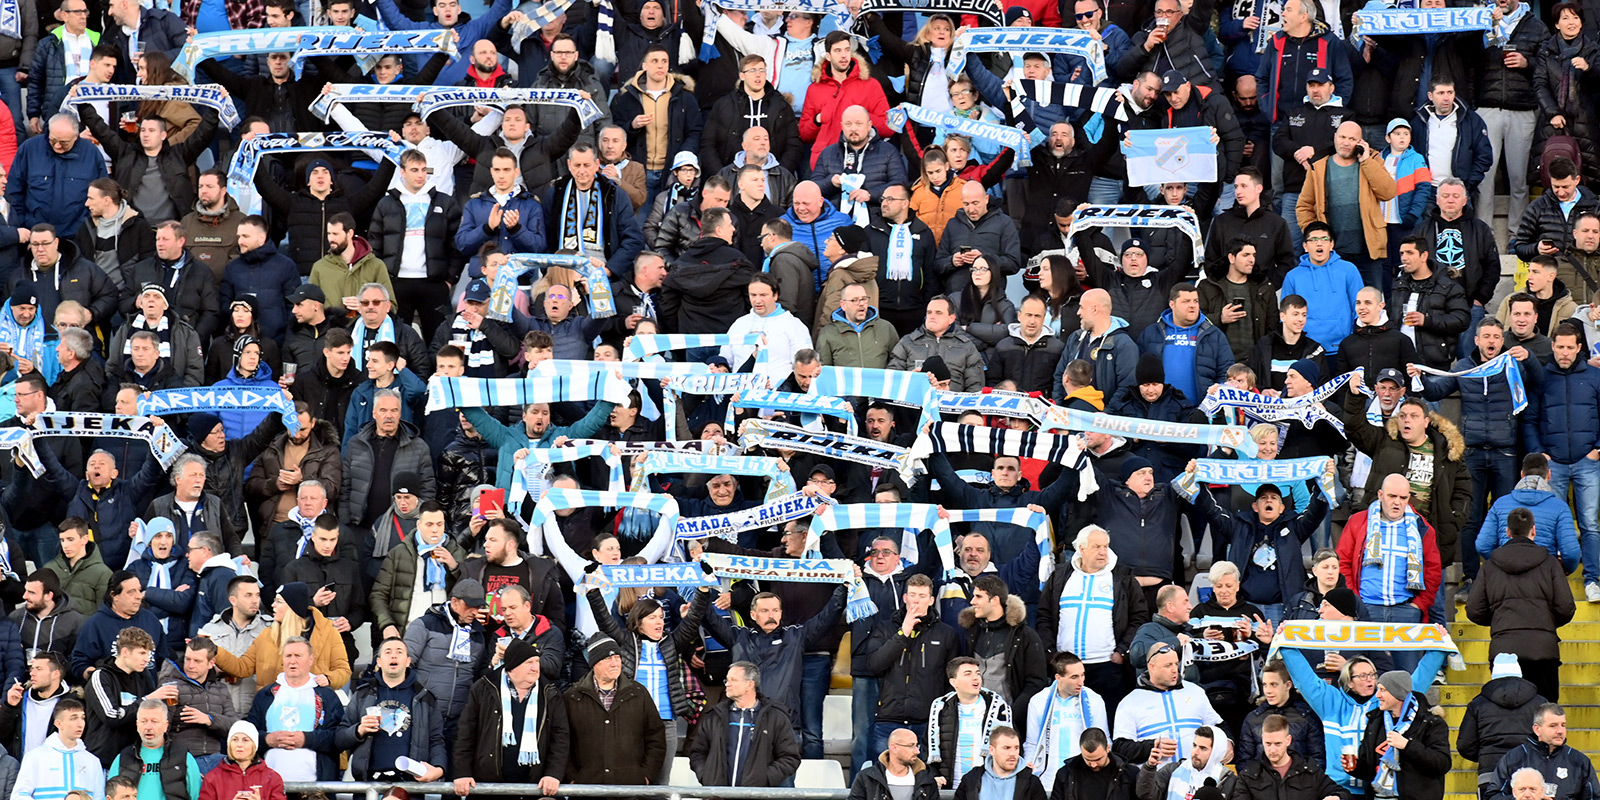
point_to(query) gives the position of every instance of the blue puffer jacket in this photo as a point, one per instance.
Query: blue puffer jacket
(881, 164)
(267, 275)
(1563, 417)
(528, 237)
(1553, 528)
(1488, 415)
(1471, 158)
(1168, 458)
(50, 187)
(1212, 355)
(814, 235)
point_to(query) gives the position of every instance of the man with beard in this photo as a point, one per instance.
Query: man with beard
(859, 152)
(591, 216)
(183, 279)
(502, 564)
(567, 70)
(778, 180)
(47, 617)
(1163, 710)
(1060, 170)
(905, 247)
(235, 628)
(311, 323)
(212, 228)
(453, 650)
(754, 103)
(347, 265)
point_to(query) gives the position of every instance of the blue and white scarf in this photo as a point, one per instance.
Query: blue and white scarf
(809, 406)
(166, 402)
(358, 351)
(755, 433)
(588, 111)
(1499, 35)
(206, 95)
(10, 19)
(1096, 100)
(1135, 216)
(367, 46)
(340, 94)
(897, 516)
(517, 265)
(537, 17)
(1000, 39)
(1386, 782)
(1402, 21)
(1234, 437)
(531, 474)
(1502, 364)
(681, 573)
(484, 392)
(27, 342)
(528, 743)
(642, 347)
(164, 444)
(433, 576)
(1244, 472)
(139, 544)
(899, 266)
(913, 389)
(999, 135)
(203, 46)
(798, 570)
(1392, 557)
(779, 481)
(1022, 517)
(794, 505)
(20, 442)
(307, 525)
(994, 404)
(1306, 409)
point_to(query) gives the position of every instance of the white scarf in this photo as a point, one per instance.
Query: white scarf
(528, 746)
(900, 252)
(1186, 779)
(359, 334)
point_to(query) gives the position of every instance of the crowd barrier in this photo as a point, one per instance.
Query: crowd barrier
(376, 791)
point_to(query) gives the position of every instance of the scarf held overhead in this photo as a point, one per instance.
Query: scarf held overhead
(1315, 634)
(164, 444)
(446, 392)
(188, 401)
(1000, 39)
(999, 135)
(214, 97)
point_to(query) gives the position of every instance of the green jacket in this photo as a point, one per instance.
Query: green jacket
(86, 582)
(339, 280)
(391, 594)
(841, 344)
(508, 439)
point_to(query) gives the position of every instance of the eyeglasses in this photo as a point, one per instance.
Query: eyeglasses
(557, 296)
(882, 551)
(372, 303)
(822, 480)
(753, 71)
(980, 268)
(1318, 239)
(1363, 676)
(961, 93)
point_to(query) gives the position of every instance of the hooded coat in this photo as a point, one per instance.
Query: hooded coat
(1497, 721)
(910, 669)
(1552, 522)
(828, 97)
(392, 593)
(1452, 485)
(624, 745)
(683, 118)
(1522, 594)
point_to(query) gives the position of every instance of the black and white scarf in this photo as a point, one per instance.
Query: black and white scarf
(582, 218)
(162, 329)
(472, 342)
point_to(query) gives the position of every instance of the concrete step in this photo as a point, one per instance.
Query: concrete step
(1459, 693)
(1478, 674)
(1572, 652)
(1588, 631)
(1579, 714)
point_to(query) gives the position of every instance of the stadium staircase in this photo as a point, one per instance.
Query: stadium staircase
(1580, 694)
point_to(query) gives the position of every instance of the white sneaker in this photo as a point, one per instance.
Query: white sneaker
(1591, 592)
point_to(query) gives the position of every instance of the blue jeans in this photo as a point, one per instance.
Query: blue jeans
(1286, 204)
(863, 709)
(814, 683)
(1273, 612)
(207, 763)
(654, 181)
(41, 544)
(1406, 660)
(1465, 345)
(881, 731)
(1494, 475)
(11, 92)
(1584, 478)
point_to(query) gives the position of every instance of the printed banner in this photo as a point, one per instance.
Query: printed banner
(367, 46)
(1000, 135)
(203, 46)
(1313, 634)
(1133, 216)
(165, 444)
(1170, 155)
(187, 401)
(588, 111)
(209, 95)
(706, 446)
(754, 433)
(1306, 409)
(675, 574)
(446, 392)
(1270, 12)
(1235, 473)
(1001, 39)
(347, 93)
(993, 404)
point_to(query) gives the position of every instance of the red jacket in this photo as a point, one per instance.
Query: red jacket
(1352, 544)
(827, 98)
(227, 780)
(1044, 13)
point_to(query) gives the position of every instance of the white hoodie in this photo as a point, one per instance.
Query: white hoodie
(51, 771)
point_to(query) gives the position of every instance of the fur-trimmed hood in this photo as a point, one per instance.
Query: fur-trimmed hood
(820, 69)
(674, 80)
(1438, 427)
(1016, 613)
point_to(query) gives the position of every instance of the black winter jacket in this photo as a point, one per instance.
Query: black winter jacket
(1019, 646)
(1306, 126)
(128, 161)
(1030, 366)
(1260, 319)
(1465, 247)
(191, 290)
(387, 233)
(683, 117)
(1488, 413)
(1570, 770)
(273, 101)
(307, 215)
(734, 113)
(872, 782)
(1497, 721)
(1424, 761)
(705, 291)
(1070, 777)
(913, 292)
(477, 752)
(772, 756)
(426, 741)
(1305, 731)
(1446, 312)
(682, 639)
(1026, 785)
(467, 462)
(1306, 780)
(994, 235)
(624, 745)
(1543, 221)
(1494, 84)
(910, 669)
(539, 153)
(1565, 91)
(1275, 255)
(880, 164)
(411, 455)
(623, 230)
(680, 228)
(1378, 347)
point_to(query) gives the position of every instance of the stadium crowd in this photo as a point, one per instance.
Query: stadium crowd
(1102, 598)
